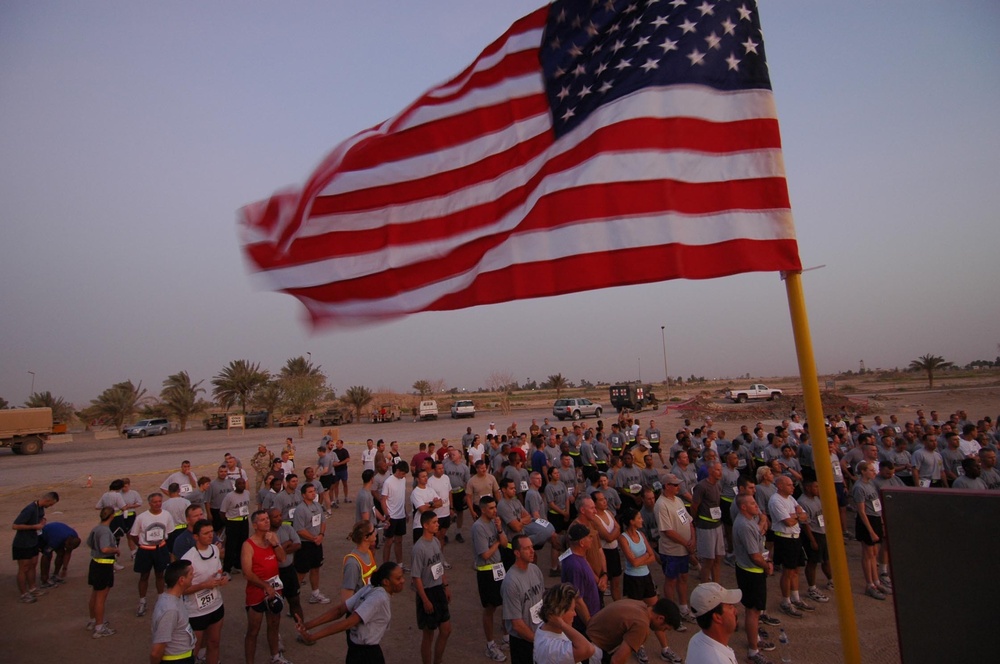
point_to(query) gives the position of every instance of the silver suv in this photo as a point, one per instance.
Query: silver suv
(155, 427)
(576, 408)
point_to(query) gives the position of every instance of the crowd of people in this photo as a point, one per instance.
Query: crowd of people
(611, 505)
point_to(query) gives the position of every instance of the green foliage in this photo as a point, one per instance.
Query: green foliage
(268, 397)
(3, 403)
(423, 388)
(117, 404)
(237, 382)
(929, 364)
(179, 397)
(556, 382)
(357, 397)
(302, 385)
(61, 411)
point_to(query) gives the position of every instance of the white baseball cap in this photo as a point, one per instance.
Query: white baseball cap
(707, 596)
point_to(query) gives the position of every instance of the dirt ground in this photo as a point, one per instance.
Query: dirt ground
(62, 613)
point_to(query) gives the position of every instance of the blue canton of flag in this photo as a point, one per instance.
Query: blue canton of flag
(595, 51)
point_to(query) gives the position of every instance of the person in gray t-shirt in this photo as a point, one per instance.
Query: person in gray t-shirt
(172, 633)
(522, 589)
(433, 594)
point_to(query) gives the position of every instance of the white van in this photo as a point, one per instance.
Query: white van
(428, 410)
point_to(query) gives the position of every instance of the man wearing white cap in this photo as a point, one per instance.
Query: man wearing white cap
(714, 607)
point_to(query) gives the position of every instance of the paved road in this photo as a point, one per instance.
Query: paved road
(72, 462)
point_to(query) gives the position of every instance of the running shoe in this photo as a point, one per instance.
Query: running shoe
(447, 565)
(641, 655)
(37, 592)
(884, 589)
(48, 584)
(874, 593)
(669, 655)
(347, 500)
(280, 659)
(829, 585)
(28, 598)
(58, 579)
(766, 619)
(687, 616)
(91, 624)
(758, 659)
(493, 652)
(762, 633)
(790, 610)
(802, 606)
(318, 598)
(118, 567)
(459, 538)
(815, 595)
(103, 630)
(885, 580)
(766, 646)
(141, 609)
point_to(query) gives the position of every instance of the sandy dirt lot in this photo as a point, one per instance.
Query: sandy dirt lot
(61, 614)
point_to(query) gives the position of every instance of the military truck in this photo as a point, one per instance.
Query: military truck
(25, 430)
(335, 416)
(257, 419)
(628, 395)
(216, 421)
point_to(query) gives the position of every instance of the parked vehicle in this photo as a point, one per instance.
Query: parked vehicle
(25, 430)
(387, 412)
(463, 408)
(428, 410)
(336, 416)
(292, 420)
(756, 391)
(157, 426)
(576, 408)
(628, 395)
(257, 419)
(216, 421)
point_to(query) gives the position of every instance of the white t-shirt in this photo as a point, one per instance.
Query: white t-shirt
(476, 453)
(394, 490)
(368, 459)
(442, 488)
(206, 565)
(703, 649)
(781, 508)
(420, 497)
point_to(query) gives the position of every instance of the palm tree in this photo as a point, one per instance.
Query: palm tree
(930, 363)
(422, 387)
(61, 411)
(117, 403)
(302, 384)
(268, 396)
(558, 383)
(179, 397)
(357, 397)
(237, 383)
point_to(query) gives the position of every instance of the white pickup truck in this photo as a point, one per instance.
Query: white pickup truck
(755, 391)
(428, 410)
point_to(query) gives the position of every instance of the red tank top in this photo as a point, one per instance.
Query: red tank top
(265, 566)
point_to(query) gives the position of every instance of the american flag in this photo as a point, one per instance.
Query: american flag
(594, 144)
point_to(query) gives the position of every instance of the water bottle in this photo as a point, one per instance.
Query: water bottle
(786, 655)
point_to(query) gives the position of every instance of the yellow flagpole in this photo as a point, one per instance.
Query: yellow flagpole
(824, 469)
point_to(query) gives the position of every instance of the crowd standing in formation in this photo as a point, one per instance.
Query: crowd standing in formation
(609, 504)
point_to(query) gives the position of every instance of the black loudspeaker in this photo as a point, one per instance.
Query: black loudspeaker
(944, 553)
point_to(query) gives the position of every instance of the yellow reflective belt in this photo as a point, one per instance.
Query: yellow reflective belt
(104, 561)
(183, 655)
(180, 526)
(755, 570)
(485, 568)
(705, 518)
(785, 535)
(236, 518)
(728, 500)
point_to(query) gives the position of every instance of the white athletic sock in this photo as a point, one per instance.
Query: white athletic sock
(795, 596)
(685, 608)
(491, 644)
(883, 569)
(812, 588)
(752, 653)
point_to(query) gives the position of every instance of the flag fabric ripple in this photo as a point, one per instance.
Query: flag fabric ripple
(594, 144)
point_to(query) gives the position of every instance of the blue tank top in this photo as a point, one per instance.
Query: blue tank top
(638, 550)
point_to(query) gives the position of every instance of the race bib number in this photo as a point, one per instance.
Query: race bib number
(291, 513)
(185, 489)
(654, 437)
(317, 519)
(821, 521)
(275, 582)
(570, 490)
(683, 515)
(657, 486)
(524, 486)
(542, 522)
(877, 506)
(499, 572)
(838, 473)
(155, 535)
(742, 463)
(536, 615)
(715, 512)
(766, 554)
(205, 598)
(925, 484)
(437, 571)
(634, 488)
(244, 510)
